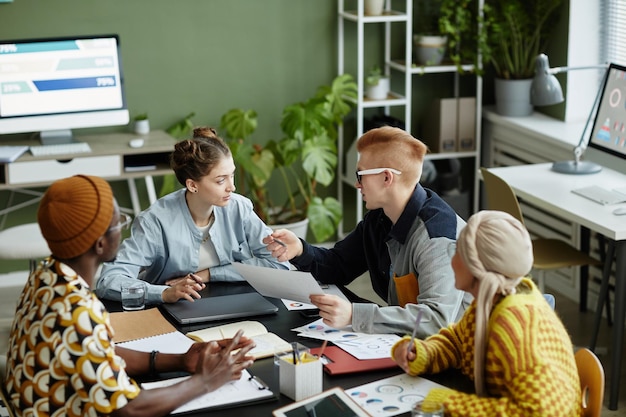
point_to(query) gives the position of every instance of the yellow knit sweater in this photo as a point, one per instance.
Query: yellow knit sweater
(530, 368)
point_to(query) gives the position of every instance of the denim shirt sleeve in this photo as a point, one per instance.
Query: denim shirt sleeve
(164, 244)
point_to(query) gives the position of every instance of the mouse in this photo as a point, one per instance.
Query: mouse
(619, 211)
(136, 143)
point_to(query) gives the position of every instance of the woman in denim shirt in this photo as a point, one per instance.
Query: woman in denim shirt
(192, 235)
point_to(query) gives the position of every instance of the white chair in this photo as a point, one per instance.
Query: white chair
(23, 242)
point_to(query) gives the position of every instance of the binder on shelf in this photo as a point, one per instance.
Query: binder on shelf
(466, 124)
(440, 127)
(338, 361)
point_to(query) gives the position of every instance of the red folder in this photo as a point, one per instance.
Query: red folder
(341, 362)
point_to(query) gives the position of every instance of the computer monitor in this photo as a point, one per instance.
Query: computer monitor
(607, 144)
(53, 85)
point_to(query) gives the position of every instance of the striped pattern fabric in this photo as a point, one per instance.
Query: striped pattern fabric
(530, 368)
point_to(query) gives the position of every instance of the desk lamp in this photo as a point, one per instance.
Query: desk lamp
(546, 90)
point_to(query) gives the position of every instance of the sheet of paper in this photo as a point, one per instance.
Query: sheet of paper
(360, 345)
(297, 305)
(173, 342)
(280, 283)
(244, 390)
(392, 396)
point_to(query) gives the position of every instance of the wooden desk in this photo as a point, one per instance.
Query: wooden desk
(111, 158)
(551, 191)
(281, 324)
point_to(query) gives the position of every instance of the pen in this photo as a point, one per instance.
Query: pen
(417, 323)
(321, 352)
(280, 242)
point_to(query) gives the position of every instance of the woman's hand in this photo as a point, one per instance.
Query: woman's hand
(186, 287)
(403, 357)
(218, 365)
(191, 358)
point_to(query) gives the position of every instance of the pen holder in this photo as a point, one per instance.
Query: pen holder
(300, 372)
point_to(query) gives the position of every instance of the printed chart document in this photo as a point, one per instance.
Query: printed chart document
(246, 390)
(392, 396)
(280, 283)
(266, 343)
(360, 345)
(354, 352)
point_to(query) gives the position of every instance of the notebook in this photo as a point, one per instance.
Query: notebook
(219, 308)
(600, 195)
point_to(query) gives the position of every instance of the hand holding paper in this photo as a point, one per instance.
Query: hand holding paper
(280, 283)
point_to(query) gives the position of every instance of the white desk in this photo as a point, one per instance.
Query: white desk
(551, 191)
(111, 157)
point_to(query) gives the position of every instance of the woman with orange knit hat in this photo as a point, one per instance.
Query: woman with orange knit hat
(61, 359)
(509, 341)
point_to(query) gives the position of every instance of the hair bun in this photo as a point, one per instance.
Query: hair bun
(204, 132)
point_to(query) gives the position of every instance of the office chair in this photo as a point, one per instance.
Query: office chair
(23, 242)
(591, 374)
(3, 390)
(548, 253)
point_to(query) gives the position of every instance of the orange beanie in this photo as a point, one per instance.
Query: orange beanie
(73, 213)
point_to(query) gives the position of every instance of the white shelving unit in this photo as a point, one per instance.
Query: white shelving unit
(397, 66)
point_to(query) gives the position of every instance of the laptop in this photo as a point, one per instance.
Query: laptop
(219, 308)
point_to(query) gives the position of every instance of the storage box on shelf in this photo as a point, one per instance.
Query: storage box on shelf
(397, 19)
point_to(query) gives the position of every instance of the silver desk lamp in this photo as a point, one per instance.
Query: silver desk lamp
(546, 90)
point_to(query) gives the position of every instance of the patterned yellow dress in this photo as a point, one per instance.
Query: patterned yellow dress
(61, 360)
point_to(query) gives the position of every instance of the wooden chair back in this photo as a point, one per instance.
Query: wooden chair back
(591, 374)
(500, 195)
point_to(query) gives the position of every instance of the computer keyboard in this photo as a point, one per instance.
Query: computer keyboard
(60, 149)
(600, 195)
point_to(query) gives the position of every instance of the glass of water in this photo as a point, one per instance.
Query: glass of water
(133, 296)
(427, 408)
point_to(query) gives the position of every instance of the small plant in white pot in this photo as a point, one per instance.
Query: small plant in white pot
(142, 124)
(377, 84)
(373, 7)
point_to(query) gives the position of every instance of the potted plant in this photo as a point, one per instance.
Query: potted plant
(141, 125)
(517, 33)
(303, 161)
(373, 7)
(377, 84)
(429, 42)
(465, 28)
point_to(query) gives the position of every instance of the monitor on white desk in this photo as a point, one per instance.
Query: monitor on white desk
(50, 86)
(607, 144)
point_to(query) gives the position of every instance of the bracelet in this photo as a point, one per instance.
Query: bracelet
(152, 367)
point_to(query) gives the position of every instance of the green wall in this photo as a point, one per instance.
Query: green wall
(205, 56)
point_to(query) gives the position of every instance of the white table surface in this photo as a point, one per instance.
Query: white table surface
(552, 191)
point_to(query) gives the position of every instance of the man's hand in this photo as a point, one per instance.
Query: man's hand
(283, 244)
(336, 311)
(186, 287)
